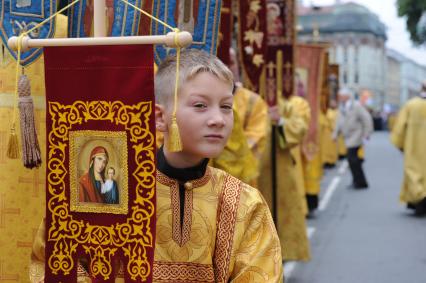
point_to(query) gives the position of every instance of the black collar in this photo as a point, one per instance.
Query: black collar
(180, 174)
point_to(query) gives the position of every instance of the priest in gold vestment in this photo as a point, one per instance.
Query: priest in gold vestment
(331, 150)
(253, 114)
(292, 118)
(409, 135)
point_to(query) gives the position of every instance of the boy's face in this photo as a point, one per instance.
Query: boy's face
(204, 116)
(110, 173)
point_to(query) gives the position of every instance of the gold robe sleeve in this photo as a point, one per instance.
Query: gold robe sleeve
(37, 255)
(256, 251)
(253, 113)
(296, 116)
(399, 129)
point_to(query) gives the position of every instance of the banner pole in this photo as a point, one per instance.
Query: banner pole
(274, 175)
(171, 39)
(99, 18)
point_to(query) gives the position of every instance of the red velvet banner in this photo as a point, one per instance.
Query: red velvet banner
(225, 32)
(252, 42)
(100, 190)
(280, 56)
(309, 80)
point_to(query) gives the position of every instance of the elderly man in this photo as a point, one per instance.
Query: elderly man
(409, 134)
(356, 125)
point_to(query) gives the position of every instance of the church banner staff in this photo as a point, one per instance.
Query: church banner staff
(310, 60)
(122, 20)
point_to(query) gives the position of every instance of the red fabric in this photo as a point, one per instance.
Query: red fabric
(225, 32)
(252, 36)
(87, 193)
(311, 58)
(90, 74)
(281, 37)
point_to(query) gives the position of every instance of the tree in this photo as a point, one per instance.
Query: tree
(413, 11)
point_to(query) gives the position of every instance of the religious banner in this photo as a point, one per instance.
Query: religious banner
(122, 19)
(100, 185)
(18, 16)
(309, 81)
(280, 57)
(252, 43)
(200, 18)
(225, 32)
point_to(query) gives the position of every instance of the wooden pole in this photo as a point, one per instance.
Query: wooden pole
(171, 39)
(274, 174)
(99, 18)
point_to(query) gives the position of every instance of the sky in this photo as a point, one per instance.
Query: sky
(398, 36)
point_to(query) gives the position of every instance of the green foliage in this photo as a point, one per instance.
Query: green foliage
(412, 10)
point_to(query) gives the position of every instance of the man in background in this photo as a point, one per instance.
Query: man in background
(356, 125)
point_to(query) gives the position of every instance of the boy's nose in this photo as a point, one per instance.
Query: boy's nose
(216, 120)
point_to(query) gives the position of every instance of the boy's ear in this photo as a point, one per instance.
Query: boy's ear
(160, 118)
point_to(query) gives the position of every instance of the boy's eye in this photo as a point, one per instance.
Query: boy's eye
(227, 106)
(200, 105)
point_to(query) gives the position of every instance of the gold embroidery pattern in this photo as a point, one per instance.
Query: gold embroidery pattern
(227, 216)
(187, 218)
(176, 234)
(101, 242)
(182, 235)
(182, 272)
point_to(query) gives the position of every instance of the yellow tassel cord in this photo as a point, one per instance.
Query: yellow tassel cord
(13, 145)
(175, 142)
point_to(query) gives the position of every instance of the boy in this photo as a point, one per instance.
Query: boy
(110, 187)
(211, 227)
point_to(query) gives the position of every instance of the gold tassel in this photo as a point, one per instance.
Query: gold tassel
(174, 141)
(31, 155)
(13, 145)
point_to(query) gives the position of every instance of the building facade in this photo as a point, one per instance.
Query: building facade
(404, 78)
(358, 45)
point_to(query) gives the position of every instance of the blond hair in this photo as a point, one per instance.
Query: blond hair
(192, 63)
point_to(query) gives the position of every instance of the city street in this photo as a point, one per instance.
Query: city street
(364, 236)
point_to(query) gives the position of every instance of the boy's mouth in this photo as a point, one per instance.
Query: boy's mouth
(213, 136)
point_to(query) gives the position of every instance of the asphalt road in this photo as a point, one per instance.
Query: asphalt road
(364, 236)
